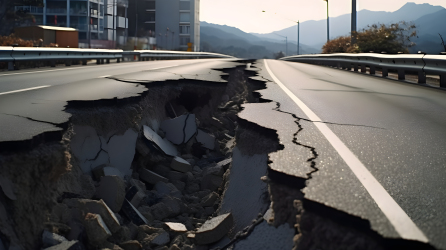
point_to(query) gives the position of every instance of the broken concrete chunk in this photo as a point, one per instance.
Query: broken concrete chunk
(214, 229)
(133, 214)
(180, 129)
(51, 239)
(181, 165)
(176, 227)
(151, 177)
(97, 230)
(161, 238)
(106, 170)
(207, 140)
(164, 189)
(135, 196)
(131, 245)
(101, 208)
(112, 190)
(160, 211)
(209, 200)
(8, 188)
(162, 144)
(67, 245)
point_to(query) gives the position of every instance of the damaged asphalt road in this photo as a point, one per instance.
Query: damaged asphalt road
(395, 130)
(220, 154)
(31, 114)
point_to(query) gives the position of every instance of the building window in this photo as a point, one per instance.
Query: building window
(184, 41)
(184, 29)
(185, 17)
(184, 5)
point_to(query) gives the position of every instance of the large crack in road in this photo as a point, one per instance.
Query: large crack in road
(245, 162)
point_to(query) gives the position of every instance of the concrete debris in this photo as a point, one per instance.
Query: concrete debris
(133, 214)
(209, 200)
(150, 177)
(176, 227)
(181, 165)
(8, 188)
(164, 189)
(131, 245)
(146, 212)
(106, 170)
(214, 229)
(112, 190)
(212, 178)
(67, 245)
(207, 140)
(161, 238)
(97, 230)
(51, 239)
(180, 129)
(160, 211)
(100, 208)
(135, 196)
(162, 144)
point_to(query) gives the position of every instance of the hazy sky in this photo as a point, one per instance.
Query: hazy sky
(247, 15)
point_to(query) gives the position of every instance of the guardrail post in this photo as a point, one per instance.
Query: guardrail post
(118, 60)
(107, 61)
(363, 68)
(84, 62)
(385, 72)
(10, 65)
(443, 81)
(67, 62)
(53, 63)
(98, 61)
(421, 77)
(401, 74)
(355, 67)
(372, 70)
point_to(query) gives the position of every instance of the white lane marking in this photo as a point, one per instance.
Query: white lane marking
(164, 67)
(394, 213)
(44, 71)
(21, 90)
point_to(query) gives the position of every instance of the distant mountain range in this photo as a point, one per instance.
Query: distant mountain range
(430, 21)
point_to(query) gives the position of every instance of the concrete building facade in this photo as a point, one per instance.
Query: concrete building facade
(174, 23)
(103, 22)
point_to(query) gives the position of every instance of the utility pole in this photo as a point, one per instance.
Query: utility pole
(328, 24)
(298, 31)
(354, 20)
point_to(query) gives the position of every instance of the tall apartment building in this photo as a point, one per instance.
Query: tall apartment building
(174, 23)
(101, 23)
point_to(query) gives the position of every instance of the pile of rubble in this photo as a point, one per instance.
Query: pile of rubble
(171, 200)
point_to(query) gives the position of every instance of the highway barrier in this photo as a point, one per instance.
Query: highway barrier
(11, 55)
(402, 63)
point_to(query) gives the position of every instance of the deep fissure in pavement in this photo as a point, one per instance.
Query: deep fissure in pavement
(114, 177)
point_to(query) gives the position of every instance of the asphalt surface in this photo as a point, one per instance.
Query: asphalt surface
(396, 130)
(33, 102)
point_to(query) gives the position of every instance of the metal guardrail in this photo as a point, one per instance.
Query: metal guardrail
(21, 54)
(402, 63)
(144, 55)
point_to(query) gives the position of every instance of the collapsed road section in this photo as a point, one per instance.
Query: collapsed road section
(203, 156)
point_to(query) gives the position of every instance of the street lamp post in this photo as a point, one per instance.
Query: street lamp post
(328, 23)
(286, 43)
(298, 31)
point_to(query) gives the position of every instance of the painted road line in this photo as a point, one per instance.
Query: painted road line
(21, 90)
(51, 70)
(402, 223)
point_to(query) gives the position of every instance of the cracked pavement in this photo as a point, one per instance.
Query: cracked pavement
(396, 130)
(32, 114)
